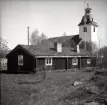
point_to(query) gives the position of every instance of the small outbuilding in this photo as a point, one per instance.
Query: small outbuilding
(53, 53)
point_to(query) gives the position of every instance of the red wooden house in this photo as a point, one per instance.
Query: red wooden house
(53, 53)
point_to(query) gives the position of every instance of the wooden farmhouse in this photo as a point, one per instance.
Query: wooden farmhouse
(58, 52)
(54, 53)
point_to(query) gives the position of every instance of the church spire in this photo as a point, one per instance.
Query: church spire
(87, 5)
(88, 9)
(87, 18)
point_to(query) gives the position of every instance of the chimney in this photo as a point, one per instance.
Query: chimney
(78, 48)
(28, 34)
(58, 46)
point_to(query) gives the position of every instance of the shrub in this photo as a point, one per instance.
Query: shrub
(41, 68)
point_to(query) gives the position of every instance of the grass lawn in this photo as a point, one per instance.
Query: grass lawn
(31, 89)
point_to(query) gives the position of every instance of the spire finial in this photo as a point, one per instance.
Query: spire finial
(87, 5)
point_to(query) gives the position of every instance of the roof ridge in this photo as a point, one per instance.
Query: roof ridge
(62, 36)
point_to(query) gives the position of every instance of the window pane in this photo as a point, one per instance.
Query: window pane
(20, 59)
(94, 29)
(49, 60)
(85, 29)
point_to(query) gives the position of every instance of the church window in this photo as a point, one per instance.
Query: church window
(85, 29)
(94, 29)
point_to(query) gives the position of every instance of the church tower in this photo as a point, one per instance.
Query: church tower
(88, 27)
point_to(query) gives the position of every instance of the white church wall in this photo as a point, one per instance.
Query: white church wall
(82, 34)
(94, 35)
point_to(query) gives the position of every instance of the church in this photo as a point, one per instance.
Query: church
(57, 53)
(88, 27)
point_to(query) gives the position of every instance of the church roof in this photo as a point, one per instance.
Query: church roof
(87, 18)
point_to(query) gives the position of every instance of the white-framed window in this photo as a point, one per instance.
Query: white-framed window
(74, 61)
(48, 61)
(88, 61)
(20, 59)
(4, 62)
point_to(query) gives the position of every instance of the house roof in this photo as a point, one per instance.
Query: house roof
(48, 51)
(46, 48)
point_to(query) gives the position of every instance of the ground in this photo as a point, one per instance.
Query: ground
(32, 89)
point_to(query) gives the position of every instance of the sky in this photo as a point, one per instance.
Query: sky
(52, 17)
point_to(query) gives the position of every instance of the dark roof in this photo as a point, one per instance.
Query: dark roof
(62, 39)
(89, 20)
(47, 51)
(46, 48)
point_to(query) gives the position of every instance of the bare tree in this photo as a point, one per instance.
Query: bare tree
(99, 40)
(43, 36)
(3, 49)
(36, 39)
(90, 46)
(94, 47)
(64, 34)
(100, 52)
